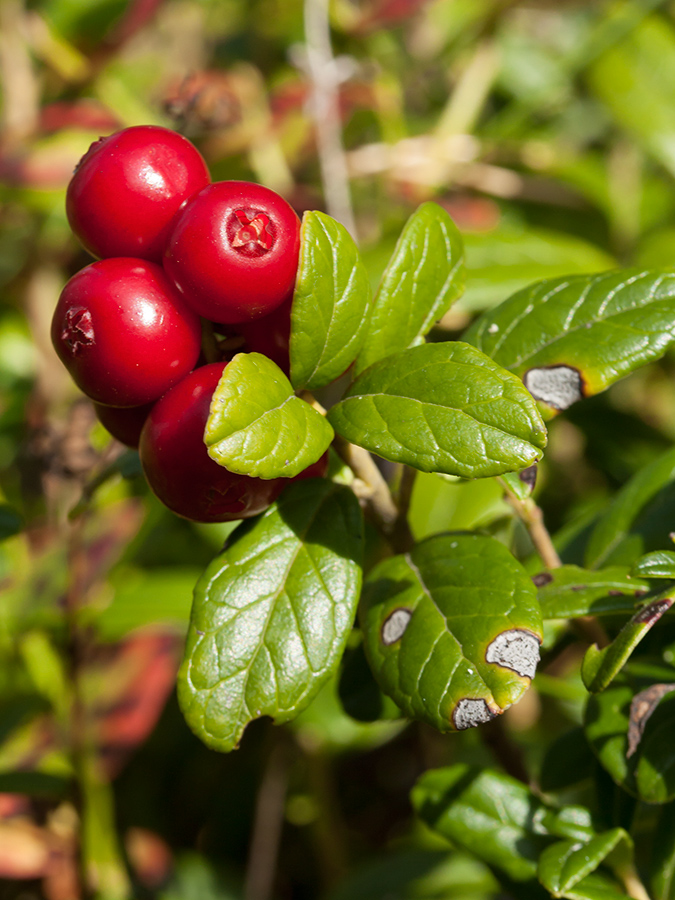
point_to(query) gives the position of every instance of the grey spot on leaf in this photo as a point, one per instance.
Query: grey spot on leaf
(559, 386)
(469, 713)
(394, 626)
(516, 650)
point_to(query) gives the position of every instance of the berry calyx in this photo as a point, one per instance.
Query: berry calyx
(124, 333)
(233, 252)
(127, 188)
(177, 464)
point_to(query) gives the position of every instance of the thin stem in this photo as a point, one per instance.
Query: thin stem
(323, 73)
(531, 515)
(631, 881)
(402, 537)
(371, 486)
(267, 826)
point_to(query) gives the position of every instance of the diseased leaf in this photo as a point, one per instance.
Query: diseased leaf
(331, 303)
(452, 630)
(498, 819)
(649, 772)
(258, 427)
(272, 613)
(600, 667)
(660, 564)
(423, 278)
(638, 517)
(442, 407)
(571, 591)
(520, 484)
(569, 338)
(565, 863)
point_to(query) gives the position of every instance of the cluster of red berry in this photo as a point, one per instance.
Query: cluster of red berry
(173, 247)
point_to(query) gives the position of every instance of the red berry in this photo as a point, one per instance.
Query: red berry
(128, 187)
(270, 335)
(234, 250)
(123, 424)
(124, 333)
(177, 464)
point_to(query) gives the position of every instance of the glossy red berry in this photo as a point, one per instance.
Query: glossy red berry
(177, 465)
(124, 424)
(270, 335)
(124, 333)
(234, 251)
(128, 187)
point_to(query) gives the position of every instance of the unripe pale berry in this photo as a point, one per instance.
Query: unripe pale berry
(127, 189)
(124, 333)
(234, 250)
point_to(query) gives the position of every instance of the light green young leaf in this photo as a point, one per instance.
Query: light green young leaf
(452, 629)
(258, 427)
(564, 864)
(425, 275)
(442, 407)
(571, 591)
(272, 613)
(331, 303)
(569, 338)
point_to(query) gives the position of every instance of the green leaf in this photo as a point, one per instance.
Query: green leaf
(258, 427)
(565, 863)
(646, 768)
(442, 408)
(331, 303)
(498, 819)
(271, 614)
(594, 887)
(520, 484)
(660, 564)
(11, 522)
(569, 338)
(452, 630)
(423, 278)
(600, 667)
(637, 518)
(570, 591)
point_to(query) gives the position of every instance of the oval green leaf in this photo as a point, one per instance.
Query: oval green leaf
(495, 817)
(570, 591)
(442, 408)
(423, 278)
(452, 630)
(569, 338)
(258, 427)
(565, 863)
(331, 303)
(660, 564)
(271, 614)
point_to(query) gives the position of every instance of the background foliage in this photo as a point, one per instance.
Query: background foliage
(546, 130)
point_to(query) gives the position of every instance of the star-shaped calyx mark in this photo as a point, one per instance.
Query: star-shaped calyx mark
(252, 231)
(78, 330)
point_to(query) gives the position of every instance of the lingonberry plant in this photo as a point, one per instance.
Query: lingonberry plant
(452, 626)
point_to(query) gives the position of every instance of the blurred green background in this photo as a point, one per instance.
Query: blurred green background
(547, 130)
